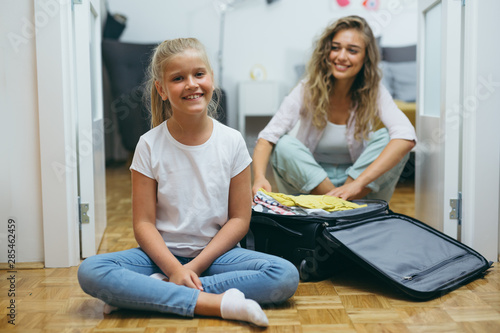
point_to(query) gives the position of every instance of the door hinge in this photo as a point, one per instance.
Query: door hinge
(456, 208)
(75, 2)
(84, 218)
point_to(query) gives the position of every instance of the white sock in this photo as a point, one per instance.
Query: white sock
(235, 306)
(159, 276)
(107, 309)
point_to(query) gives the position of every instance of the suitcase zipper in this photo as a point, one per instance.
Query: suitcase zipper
(463, 279)
(432, 269)
(348, 221)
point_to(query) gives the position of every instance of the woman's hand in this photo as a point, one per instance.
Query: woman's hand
(349, 191)
(183, 276)
(395, 150)
(261, 154)
(259, 183)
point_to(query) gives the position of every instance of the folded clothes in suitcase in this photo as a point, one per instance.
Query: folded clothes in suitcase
(414, 257)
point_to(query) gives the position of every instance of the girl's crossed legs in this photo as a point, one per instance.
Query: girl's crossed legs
(122, 279)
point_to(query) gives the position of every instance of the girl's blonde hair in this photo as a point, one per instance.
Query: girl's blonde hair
(162, 110)
(365, 89)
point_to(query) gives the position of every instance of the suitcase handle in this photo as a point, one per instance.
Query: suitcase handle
(271, 222)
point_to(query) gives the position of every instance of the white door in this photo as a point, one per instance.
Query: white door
(90, 129)
(438, 162)
(481, 137)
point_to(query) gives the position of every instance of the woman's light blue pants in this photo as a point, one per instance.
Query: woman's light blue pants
(296, 170)
(122, 279)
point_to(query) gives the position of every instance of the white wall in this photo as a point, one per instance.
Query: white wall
(20, 180)
(277, 36)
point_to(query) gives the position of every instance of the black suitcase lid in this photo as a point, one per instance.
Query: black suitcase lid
(416, 258)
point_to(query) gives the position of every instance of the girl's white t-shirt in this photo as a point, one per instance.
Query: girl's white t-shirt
(193, 183)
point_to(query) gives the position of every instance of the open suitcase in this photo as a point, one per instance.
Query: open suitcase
(414, 257)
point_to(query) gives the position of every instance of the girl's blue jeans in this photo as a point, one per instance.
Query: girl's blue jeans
(296, 170)
(122, 279)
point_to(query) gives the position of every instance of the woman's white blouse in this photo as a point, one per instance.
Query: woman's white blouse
(291, 111)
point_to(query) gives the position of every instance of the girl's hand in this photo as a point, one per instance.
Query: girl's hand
(186, 277)
(261, 183)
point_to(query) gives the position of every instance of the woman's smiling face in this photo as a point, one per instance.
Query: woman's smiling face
(347, 54)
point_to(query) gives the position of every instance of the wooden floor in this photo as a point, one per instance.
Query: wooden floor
(50, 300)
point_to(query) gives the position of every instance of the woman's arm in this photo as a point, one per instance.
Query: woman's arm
(403, 140)
(261, 154)
(395, 150)
(239, 212)
(281, 123)
(397, 123)
(149, 238)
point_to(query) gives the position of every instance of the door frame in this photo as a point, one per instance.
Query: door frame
(429, 161)
(451, 125)
(90, 128)
(56, 108)
(56, 61)
(481, 143)
(439, 175)
(470, 94)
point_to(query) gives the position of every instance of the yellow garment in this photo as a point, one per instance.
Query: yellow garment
(326, 202)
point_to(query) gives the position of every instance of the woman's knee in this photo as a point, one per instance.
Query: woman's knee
(286, 146)
(378, 141)
(381, 134)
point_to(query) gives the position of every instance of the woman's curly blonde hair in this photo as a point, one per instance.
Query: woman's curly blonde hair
(162, 110)
(365, 89)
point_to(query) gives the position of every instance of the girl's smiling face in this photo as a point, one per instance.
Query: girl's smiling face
(347, 54)
(187, 83)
